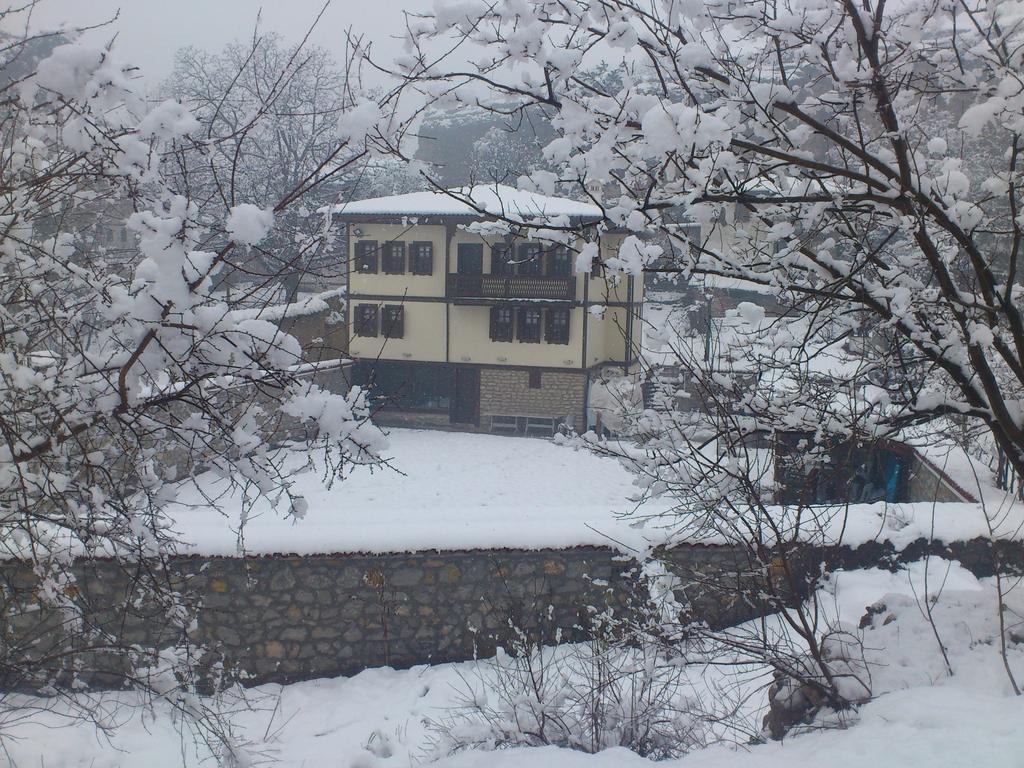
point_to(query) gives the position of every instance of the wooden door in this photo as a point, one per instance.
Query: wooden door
(466, 403)
(470, 259)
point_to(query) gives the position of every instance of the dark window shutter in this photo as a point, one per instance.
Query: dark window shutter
(366, 256)
(494, 324)
(529, 325)
(501, 324)
(366, 320)
(500, 260)
(421, 258)
(556, 326)
(530, 259)
(535, 379)
(469, 259)
(393, 260)
(560, 264)
(393, 324)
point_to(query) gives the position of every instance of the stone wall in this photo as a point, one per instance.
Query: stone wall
(294, 618)
(283, 619)
(391, 417)
(507, 392)
(323, 334)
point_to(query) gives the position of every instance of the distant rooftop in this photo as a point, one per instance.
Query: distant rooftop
(483, 199)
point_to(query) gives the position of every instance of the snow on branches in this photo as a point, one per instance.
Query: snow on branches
(125, 367)
(843, 156)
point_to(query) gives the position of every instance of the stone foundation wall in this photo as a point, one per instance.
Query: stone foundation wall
(391, 417)
(507, 392)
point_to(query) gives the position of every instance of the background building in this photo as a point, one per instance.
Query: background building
(495, 332)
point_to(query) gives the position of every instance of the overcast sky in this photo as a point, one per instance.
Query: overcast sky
(150, 31)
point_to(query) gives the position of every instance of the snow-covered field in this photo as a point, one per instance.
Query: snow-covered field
(381, 718)
(443, 490)
(448, 490)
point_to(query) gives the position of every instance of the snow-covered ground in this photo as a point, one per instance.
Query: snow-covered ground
(381, 718)
(447, 491)
(442, 490)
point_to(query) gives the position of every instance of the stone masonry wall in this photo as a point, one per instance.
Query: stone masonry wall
(507, 392)
(293, 618)
(323, 335)
(288, 618)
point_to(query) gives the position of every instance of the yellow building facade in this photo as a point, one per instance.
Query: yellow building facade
(501, 333)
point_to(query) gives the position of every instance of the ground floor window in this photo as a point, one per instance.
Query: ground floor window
(531, 426)
(405, 386)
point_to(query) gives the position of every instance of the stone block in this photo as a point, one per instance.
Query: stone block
(274, 650)
(406, 577)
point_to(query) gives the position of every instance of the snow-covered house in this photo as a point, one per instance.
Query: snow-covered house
(458, 320)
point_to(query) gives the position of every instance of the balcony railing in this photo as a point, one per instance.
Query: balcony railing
(511, 287)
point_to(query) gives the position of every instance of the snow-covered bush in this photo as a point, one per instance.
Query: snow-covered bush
(622, 686)
(586, 696)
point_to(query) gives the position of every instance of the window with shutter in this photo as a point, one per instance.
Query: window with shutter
(560, 262)
(366, 256)
(529, 261)
(501, 324)
(529, 325)
(535, 379)
(393, 259)
(366, 320)
(421, 258)
(392, 322)
(501, 255)
(557, 327)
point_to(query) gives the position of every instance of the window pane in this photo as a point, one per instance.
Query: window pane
(393, 325)
(557, 329)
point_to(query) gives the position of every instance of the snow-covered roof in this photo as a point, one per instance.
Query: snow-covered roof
(492, 199)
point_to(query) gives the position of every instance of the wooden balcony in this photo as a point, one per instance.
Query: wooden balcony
(486, 288)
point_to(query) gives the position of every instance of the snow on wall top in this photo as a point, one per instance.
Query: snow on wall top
(491, 199)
